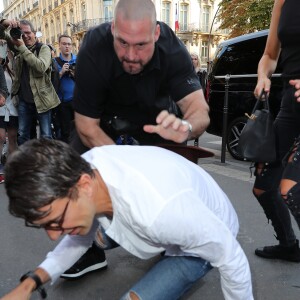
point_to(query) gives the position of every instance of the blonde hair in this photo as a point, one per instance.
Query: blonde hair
(194, 54)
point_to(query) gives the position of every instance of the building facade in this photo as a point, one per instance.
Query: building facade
(196, 20)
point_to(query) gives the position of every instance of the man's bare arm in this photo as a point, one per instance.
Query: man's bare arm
(90, 132)
(24, 290)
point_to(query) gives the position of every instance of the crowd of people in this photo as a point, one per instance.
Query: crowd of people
(129, 89)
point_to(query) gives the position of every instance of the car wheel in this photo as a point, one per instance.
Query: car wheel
(234, 131)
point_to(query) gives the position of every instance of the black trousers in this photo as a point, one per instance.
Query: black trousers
(65, 115)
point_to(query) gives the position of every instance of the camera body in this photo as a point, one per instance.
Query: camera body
(16, 33)
(72, 68)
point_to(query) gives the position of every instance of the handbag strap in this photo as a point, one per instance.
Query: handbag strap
(259, 101)
(263, 98)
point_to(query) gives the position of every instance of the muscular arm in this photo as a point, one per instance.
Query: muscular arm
(268, 62)
(90, 132)
(195, 110)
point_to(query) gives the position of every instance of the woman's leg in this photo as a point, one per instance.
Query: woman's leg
(268, 177)
(290, 183)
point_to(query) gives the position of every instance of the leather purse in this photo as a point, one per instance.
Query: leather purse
(257, 140)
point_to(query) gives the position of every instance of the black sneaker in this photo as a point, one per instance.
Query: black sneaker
(291, 253)
(92, 260)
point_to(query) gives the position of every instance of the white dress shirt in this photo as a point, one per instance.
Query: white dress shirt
(161, 201)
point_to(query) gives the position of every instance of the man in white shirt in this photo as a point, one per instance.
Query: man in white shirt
(147, 200)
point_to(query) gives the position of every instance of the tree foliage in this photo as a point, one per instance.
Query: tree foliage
(245, 16)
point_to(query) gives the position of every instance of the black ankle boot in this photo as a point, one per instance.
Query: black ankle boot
(277, 211)
(289, 253)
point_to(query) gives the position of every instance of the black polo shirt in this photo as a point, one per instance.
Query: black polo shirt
(103, 90)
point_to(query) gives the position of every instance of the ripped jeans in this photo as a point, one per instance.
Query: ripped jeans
(270, 186)
(168, 279)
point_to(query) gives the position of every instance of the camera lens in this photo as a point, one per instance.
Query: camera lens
(15, 33)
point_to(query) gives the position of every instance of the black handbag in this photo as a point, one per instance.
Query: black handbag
(257, 140)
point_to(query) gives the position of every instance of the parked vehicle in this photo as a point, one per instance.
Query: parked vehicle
(237, 57)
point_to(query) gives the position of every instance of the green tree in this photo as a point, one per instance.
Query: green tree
(245, 16)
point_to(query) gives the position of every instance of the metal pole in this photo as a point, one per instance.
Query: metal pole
(225, 119)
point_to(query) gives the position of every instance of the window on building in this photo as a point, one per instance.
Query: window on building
(204, 50)
(52, 29)
(58, 30)
(71, 16)
(108, 10)
(205, 18)
(83, 11)
(183, 17)
(65, 23)
(166, 12)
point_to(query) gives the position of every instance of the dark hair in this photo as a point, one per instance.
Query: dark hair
(62, 36)
(28, 23)
(39, 172)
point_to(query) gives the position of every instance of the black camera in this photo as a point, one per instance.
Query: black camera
(71, 71)
(16, 33)
(72, 66)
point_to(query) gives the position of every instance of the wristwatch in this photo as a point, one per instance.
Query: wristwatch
(38, 282)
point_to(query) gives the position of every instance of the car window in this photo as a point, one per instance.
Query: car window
(241, 58)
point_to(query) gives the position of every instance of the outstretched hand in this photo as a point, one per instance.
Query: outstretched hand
(169, 127)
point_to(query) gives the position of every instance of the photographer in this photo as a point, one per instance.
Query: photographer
(66, 63)
(32, 83)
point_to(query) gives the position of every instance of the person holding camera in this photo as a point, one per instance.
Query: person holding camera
(32, 83)
(65, 63)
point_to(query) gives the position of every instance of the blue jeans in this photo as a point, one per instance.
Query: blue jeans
(27, 115)
(168, 279)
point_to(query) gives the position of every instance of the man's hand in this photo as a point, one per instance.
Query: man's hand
(169, 127)
(296, 84)
(64, 69)
(10, 23)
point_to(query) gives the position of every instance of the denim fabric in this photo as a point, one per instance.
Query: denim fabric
(170, 278)
(27, 114)
(103, 241)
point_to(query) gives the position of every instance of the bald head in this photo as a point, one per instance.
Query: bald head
(136, 10)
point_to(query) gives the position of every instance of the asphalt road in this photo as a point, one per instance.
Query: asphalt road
(21, 248)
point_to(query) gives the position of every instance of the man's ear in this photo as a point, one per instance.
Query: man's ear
(84, 182)
(157, 32)
(112, 27)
